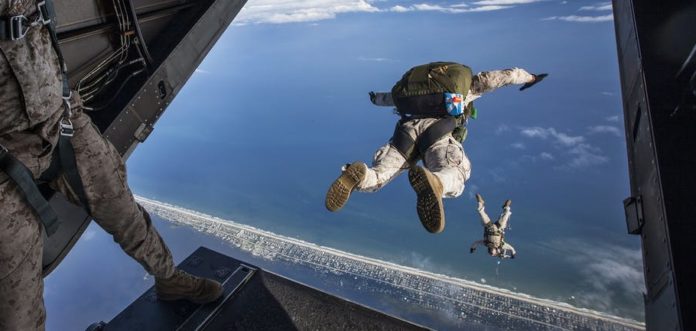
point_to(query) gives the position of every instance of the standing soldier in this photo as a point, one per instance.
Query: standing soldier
(435, 101)
(494, 233)
(42, 123)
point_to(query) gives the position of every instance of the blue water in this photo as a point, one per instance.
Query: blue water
(260, 132)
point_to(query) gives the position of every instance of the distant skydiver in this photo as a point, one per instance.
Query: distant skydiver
(434, 101)
(494, 233)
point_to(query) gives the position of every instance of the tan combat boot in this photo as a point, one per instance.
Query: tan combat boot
(340, 190)
(182, 285)
(429, 191)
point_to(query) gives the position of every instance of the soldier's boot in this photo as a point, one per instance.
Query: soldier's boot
(182, 285)
(343, 186)
(507, 203)
(429, 205)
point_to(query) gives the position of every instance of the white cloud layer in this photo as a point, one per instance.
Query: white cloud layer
(611, 271)
(504, 2)
(598, 7)
(582, 19)
(451, 9)
(604, 129)
(295, 11)
(289, 11)
(559, 137)
(581, 154)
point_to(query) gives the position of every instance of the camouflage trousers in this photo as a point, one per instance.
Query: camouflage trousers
(112, 206)
(445, 159)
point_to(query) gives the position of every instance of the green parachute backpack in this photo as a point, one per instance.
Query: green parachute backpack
(423, 90)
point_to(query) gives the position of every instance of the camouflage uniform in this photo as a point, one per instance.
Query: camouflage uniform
(30, 108)
(445, 158)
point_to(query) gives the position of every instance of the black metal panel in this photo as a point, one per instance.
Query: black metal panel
(148, 313)
(255, 300)
(178, 34)
(654, 40)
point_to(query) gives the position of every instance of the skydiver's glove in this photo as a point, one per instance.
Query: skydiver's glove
(537, 78)
(373, 97)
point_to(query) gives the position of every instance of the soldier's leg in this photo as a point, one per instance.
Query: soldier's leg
(387, 164)
(504, 218)
(113, 207)
(111, 201)
(447, 161)
(21, 247)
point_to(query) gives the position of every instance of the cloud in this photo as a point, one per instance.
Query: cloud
(546, 156)
(610, 271)
(201, 71)
(604, 129)
(614, 118)
(559, 137)
(609, 94)
(374, 59)
(504, 2)
(451, 9)
(585, 155)
(598, 7)
(501, 129)
(286, 11)
(518, 145)
(581, 19)
(581, 154)
(283, 11)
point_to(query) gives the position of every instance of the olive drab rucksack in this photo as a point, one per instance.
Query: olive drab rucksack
(432, 90)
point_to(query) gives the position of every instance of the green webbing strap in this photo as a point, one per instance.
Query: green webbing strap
(24, 179)
(67, 159)
(46, 10)
(403, 142)
(435, 132)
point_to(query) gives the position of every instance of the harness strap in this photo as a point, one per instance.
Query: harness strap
(67, 160)
(411, 149)
(24, 179)
(403, 142)
(435, 132)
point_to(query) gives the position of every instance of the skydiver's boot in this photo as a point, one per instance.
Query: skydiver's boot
(507, 204)
(429, 205)
(182, 285)
(340, 190)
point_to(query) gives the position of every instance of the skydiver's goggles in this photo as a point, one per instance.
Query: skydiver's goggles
(16, 27)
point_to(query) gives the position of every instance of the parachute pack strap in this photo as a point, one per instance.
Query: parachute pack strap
(435, 132)
(47, 10)
(403, 142)
(24, 179)
(67, 159)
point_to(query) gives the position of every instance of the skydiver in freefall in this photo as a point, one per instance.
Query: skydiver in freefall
(434, 101)
(494, 233)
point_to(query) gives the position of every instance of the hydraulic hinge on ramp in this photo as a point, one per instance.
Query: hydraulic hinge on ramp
(149, 313)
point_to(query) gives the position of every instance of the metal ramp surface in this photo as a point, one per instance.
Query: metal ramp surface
(253, 300)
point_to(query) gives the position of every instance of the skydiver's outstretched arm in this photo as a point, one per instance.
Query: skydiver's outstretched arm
(475, 245)
(508, 251)
(382, 99)
(487, 81)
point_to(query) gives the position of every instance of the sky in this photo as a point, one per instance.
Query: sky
(263, 126)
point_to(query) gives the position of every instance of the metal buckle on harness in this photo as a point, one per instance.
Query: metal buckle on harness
(44, 16)
(17, 27)
(66, 127)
